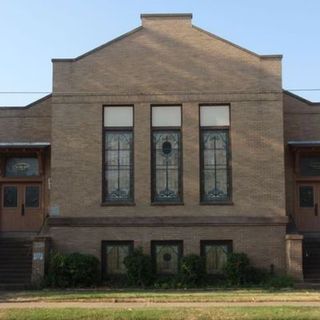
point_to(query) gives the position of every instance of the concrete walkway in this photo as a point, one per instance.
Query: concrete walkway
(142, 305)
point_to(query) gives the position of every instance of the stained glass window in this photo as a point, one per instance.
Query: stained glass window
(166, 160)
(10, 197)
(215, 165)
(118, 166)
(167, 257)
(215, 254)
(115, 255)
(22, 167)
(32, 197)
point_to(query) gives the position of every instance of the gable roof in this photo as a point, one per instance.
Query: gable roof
(165, 15)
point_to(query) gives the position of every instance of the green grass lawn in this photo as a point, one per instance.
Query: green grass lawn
(215, 295)
(251, 313)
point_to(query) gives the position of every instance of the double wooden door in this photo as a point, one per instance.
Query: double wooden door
(21, 207)
(307, 206)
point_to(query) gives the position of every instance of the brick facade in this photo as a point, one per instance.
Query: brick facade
(166, 61)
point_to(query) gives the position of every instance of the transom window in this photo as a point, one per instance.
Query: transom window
(309, 165)
(118, 154)
(215, 154)
(21, 167)
(166, 154)
(113, 255)
(166, 256)
(215, 254)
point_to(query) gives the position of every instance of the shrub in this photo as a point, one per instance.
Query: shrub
(255, 276)
(237, 269)
(192, 270)
(83, 270)
(139, 268)
(72, 270)
(278, 282)
(168, 282)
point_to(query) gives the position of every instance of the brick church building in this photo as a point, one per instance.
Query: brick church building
(169, 138)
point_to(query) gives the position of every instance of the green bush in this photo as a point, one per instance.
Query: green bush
(239, 272)
(192, 270)
(255, 276)
(237, 269)
(168, 282)
(139, 268)
(279, 281)
(72, 270)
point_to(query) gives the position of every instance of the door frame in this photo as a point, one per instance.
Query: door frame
(40, 179)
(300, 212)
(299, 179)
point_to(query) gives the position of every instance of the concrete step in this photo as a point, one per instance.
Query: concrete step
(15, 262)
(14, 286)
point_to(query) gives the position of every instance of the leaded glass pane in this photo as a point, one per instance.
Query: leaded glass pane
(167, 259)
(166, 166)
(22, 167)
(32, 197)
(10, 197)
(306, 197)
(216, 257)
(215, 171)
(115, 258)
(310, 166)
(118, 166)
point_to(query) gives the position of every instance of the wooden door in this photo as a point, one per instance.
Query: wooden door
(307, 206)
(21, 207)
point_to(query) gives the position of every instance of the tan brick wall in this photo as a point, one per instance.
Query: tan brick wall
(264, 245)
(168, 56)
(26, 124)
(301, 123)
(168, 61)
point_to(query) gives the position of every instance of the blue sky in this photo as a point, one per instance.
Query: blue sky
(34, 31)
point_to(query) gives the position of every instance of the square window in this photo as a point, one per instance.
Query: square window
(215, 254)
(166, 256)
(113, 255)
(214, 116)
(118, 116)
(166, 116)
